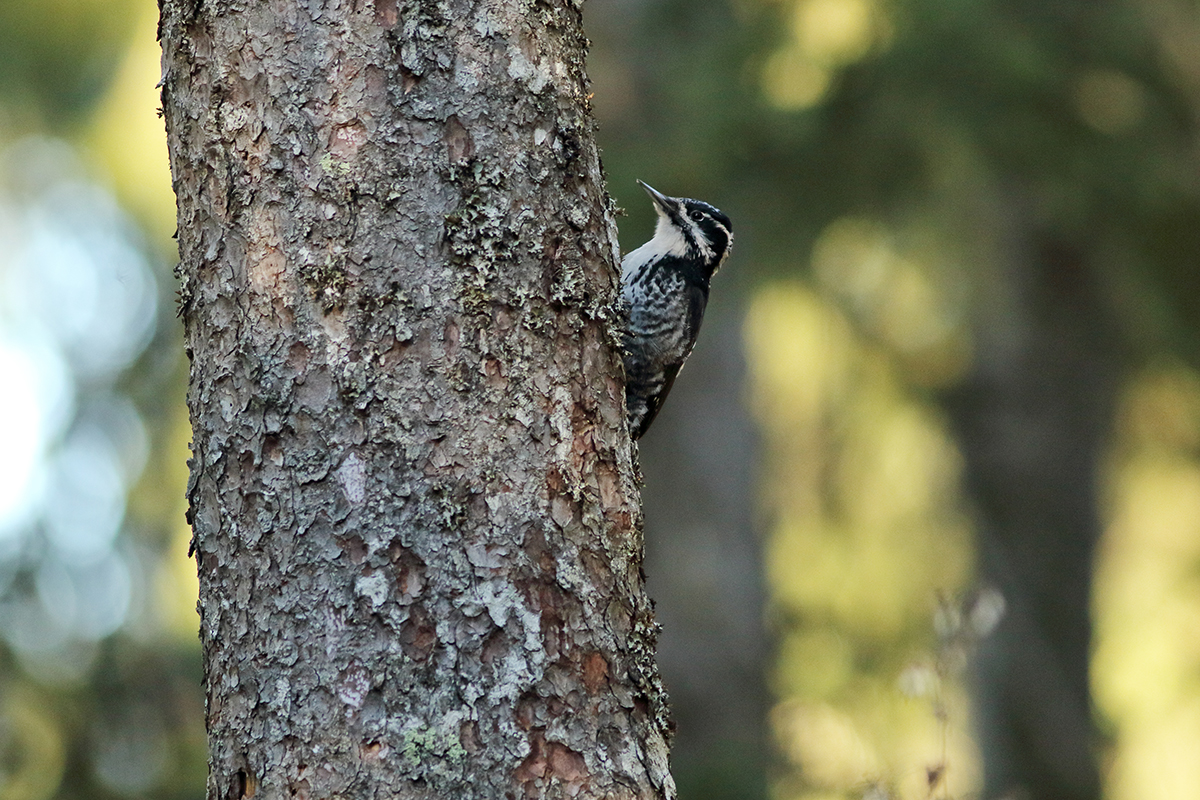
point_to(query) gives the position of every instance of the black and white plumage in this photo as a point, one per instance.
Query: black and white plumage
(664, 289)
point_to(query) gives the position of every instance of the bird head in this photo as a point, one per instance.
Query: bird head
(691, 228)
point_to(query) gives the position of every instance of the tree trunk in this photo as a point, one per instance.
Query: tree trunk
(416, 522)
(1032, 422)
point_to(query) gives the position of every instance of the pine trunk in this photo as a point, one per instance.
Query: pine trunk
(416, 522)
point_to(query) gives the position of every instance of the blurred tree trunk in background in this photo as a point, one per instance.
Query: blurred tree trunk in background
(704, 561)
(417, 530)
(1033, 419)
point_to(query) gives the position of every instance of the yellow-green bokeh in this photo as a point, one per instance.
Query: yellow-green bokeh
(126, 136)
(1146, 668)
(823, 36)
(860, 482)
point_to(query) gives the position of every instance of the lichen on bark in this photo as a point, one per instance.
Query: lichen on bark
(412, 490)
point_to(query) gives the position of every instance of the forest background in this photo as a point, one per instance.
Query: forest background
(944, 414)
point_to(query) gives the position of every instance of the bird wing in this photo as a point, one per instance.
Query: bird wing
(697, 299)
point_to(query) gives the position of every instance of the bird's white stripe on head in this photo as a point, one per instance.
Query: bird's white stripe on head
(728, 246)
(700, 239)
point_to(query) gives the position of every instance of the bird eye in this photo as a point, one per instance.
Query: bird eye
(697, 215)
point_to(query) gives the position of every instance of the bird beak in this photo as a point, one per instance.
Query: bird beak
(660, 200)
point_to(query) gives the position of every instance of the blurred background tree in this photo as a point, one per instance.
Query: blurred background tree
(951, 367)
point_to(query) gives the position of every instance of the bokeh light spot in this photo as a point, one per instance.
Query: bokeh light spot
(32, 750)
(834, 32)
(1146, 666)
(1110, 101)
(34, 401)
(792, 82)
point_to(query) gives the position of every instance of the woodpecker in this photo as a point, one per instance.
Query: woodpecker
(664, 289)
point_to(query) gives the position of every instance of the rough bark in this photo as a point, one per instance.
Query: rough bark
(416, 523)
(1032, 422)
